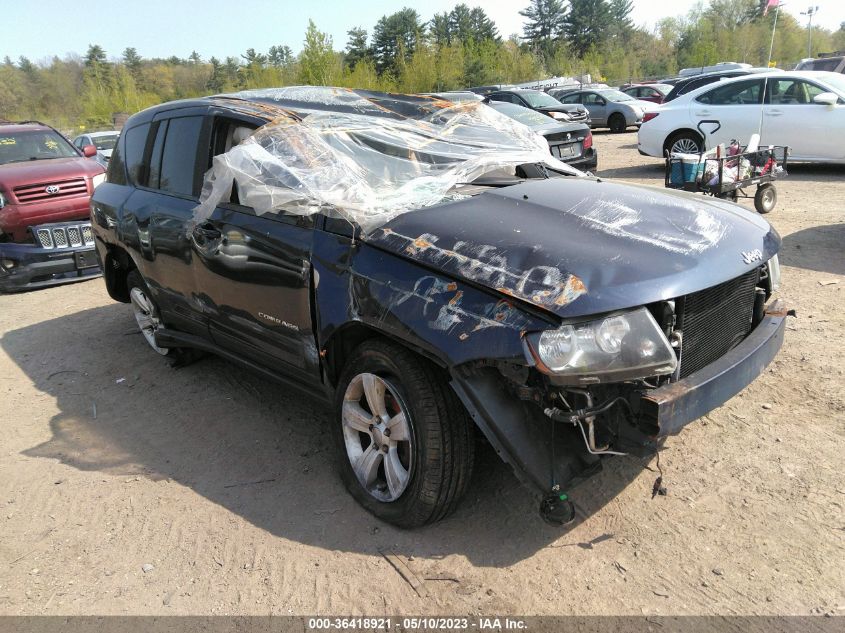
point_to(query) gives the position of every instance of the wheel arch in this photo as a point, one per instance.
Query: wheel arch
(117, 265)
(342, 342)
(667, 141)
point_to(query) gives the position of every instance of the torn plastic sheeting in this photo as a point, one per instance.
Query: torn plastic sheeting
(368, 169)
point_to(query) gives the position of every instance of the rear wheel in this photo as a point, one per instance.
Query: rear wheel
(145, 311)
(617, 123)
(766, 198)
(403, 439)
(684, 143)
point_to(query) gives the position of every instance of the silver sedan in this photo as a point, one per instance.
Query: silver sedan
(610, 108)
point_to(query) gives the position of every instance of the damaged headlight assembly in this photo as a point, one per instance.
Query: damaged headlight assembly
(610, 349)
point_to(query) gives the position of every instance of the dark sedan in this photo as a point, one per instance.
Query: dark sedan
(543, 103)
(570, 142)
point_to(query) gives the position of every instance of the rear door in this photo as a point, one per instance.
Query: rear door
(729, 111)
(253, 273)
(165, 156)
(792, 118)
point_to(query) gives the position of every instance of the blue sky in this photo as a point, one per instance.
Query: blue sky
(160, 28)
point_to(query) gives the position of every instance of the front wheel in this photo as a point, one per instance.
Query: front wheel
(403, 439)
(766, 198)
(617, 123)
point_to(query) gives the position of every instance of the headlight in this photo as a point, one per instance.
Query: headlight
(98, 180)
(774, 273)
(560, 116)
(618, 347)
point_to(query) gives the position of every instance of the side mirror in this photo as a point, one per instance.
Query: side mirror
(89, 151)
(826, 98)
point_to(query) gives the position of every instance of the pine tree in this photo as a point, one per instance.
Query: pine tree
(356, 47)
(544, 25)
(586, 25)
(216, 80)
(620, 25)
(482, 26)
(441, 33)
(395, 37)
(280, 56)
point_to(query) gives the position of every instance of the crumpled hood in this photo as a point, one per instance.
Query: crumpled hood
(32, 172)
(580, 246)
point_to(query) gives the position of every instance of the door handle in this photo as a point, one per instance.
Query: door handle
(702, 113)
(774, 112)
(206, 233)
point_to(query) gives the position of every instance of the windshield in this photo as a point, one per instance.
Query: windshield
(615, 95)
(105, 142)
(523, 115)
(37, 145)
(539, 99)
(835, 81)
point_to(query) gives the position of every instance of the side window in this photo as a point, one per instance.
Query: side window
(226, 134)
(135, 143)
(179, 155)
(573, 98)
(739, 93)
(116, 171)
(593, 99)
(791, 92)
(155, 154)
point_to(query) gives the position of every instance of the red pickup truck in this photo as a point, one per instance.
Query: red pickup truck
(45, 190)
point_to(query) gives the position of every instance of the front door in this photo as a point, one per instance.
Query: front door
(253, 276)
(792, 118)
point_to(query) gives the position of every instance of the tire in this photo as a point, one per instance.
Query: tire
(684, 143)
(434, 448)
(766, 198)
(617, 123)
(145, 311)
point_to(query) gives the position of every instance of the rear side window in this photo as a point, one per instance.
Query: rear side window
(136, 142)
(116, 172)
(739, 93)
(179, 156)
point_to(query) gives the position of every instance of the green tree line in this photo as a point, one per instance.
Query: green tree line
(405, 52)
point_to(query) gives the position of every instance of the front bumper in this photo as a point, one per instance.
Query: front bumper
(541, 456)
(666, 410)
(37, 267)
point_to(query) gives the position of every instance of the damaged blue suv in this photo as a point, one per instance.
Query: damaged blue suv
(433, 272)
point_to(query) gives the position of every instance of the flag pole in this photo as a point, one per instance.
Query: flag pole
(774, 26)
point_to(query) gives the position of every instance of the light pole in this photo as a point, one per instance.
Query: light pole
(810, 12)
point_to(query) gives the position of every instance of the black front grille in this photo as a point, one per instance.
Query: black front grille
(715, 320)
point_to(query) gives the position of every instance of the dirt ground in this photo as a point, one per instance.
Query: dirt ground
(128, 487)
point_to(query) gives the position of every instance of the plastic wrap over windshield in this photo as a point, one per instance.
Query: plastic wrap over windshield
(365, 156)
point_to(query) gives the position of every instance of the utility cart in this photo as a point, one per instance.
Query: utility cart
(730, 175)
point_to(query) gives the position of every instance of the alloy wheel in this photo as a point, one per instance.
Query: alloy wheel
(685, 145)
(146, 317)
(378, 437)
